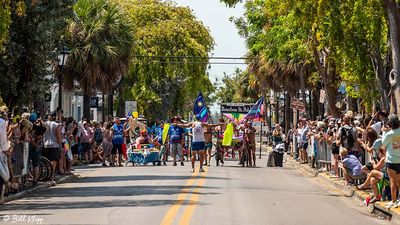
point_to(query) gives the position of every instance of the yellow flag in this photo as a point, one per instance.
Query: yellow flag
(228, 135)
(165, 132)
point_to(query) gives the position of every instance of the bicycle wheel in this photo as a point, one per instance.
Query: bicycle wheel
(43, 172)
(45, 169)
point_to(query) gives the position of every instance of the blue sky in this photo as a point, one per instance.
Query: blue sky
(215, 15)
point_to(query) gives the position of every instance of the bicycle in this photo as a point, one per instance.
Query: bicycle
(45, 170)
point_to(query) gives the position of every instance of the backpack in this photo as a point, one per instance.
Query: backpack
(98, 136)
(346, 137)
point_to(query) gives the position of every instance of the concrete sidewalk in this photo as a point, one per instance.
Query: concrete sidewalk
(350, 191)
(41, 187)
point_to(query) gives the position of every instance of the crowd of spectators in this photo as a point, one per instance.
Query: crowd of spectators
(26, 138)
(360, 148)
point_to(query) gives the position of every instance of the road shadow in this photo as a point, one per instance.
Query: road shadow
(98, 179)
(130, 191)
(32, 206)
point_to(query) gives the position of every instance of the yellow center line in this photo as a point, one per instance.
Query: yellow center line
(171, 214)
(188, 213)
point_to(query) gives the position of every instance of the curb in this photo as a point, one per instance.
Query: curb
(350, 192)
(41, 187)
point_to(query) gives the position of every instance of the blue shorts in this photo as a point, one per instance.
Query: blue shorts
(197, 146)
(209, 145)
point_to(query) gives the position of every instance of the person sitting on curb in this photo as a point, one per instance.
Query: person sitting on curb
(378, 172)
(371, 145)
(351, 167)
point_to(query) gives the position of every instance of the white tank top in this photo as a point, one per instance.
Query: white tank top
(198, 132)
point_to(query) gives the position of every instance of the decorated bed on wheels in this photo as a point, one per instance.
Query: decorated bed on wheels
(142, 155)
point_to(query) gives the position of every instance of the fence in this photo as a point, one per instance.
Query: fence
(322, 152)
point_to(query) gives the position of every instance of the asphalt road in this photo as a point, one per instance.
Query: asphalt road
(172, 195)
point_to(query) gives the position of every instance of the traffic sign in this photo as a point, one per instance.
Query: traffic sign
(297, 104)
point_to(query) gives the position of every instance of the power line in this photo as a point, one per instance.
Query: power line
(191, 57)
(190, 62)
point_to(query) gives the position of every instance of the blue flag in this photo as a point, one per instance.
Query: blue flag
(256, 111)
(200, 108)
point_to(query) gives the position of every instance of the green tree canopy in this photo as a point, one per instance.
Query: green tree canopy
(326, 41)
(162, 79)
(5, 20)
(100, 37)
(240, 86)
(34, 34)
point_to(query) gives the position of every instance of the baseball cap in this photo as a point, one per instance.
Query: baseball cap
(53, 113)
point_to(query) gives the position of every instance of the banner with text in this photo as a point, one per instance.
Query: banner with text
(235, 111)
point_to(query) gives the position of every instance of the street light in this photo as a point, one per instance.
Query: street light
(62, 61)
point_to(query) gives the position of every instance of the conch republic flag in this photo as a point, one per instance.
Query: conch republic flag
(228, 135)
(165, 132)
(256, 111)
(200, 108)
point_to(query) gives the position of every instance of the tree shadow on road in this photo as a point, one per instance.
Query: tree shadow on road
(32, 206)
(138, 177)
(134, 190)
(61, 195)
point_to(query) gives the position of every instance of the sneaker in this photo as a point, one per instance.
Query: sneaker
(182, 164)
(174, 164)
(104, 165)
(192, 170)
(398, 203)
(202, 170)
(164, 163)
(391, 205)
(375, 199)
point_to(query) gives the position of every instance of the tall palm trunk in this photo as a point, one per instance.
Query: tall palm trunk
(121, 102)
(276, 118)
(111, 104)
(86, 105)
(288, 111)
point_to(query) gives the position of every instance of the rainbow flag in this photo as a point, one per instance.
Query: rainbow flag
(256, 111)
(234, 117)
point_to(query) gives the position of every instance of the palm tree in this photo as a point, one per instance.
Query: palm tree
(101, 40)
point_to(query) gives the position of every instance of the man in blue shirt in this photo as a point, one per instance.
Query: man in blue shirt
(155, 129)
(117, 134)
(175, 135)
(352, 167)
